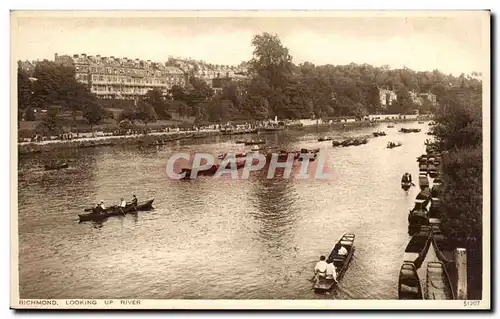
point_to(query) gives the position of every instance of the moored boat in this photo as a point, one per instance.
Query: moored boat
(432, 170)
(417, 248)
(336, 143)
(116, 211)
(435, 210)
(324, 138)
(417, 218)
(423, 198)
(341, 262)
(409, 285)
(438, 281)
(443, 248)
(423, 181)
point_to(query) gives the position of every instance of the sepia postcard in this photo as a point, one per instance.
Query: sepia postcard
(250, 160)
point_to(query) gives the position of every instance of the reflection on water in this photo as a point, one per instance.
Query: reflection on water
(206, 238)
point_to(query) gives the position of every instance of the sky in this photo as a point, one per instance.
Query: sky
(451, 44)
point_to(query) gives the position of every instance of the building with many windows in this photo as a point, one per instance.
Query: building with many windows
(387, 97)
(122, 78)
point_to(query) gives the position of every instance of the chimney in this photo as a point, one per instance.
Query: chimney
(84, 55)
(98, 56)
(55, 56)
(75, 56)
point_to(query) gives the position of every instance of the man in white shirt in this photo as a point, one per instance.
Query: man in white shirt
(331, 272)
(123, 203)
(320, 268)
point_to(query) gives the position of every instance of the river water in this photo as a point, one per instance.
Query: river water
(215, 238)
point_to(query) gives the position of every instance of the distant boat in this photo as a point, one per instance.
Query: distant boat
(252, 142)
(55, 166)
(393, 144)
(115, 211)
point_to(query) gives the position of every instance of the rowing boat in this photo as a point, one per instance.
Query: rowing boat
(116, 211)
(423, 181)
(439, 285)
(444, 250)
(341, 262)
(409, 285)
(417, 248)
(417, 218)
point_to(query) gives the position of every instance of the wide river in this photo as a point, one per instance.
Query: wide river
(216, 238)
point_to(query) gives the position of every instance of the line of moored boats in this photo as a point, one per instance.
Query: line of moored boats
(424, 227)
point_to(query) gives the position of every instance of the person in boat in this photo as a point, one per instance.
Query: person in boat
(331, 272)
(406, 178)
(100, 208)
(320, 268)
(342, 251)
(123, 204)
(134, 200)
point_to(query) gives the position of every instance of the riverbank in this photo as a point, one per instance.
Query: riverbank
(140, 139)
(158, 138)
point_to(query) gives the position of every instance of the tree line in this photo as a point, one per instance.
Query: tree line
(275, 86)
(458, 134)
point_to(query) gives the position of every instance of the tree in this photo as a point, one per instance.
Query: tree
(24, 89)
(145, 113)
(51, 124)
(94, 114)
(155, 99)
(271, 59)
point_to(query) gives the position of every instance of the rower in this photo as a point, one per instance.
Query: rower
(320, 268)
(134, 200)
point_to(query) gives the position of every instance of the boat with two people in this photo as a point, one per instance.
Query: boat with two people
(340, 257)
(379, 133)
(99, 213)
(394, 144)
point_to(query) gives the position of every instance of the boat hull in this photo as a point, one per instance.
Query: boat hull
(409, 285)
(114, 211)
(341, 263)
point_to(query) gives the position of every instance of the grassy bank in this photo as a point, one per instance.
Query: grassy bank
(139, 139)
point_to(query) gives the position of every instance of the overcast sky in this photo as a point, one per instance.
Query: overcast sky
(452, 45)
